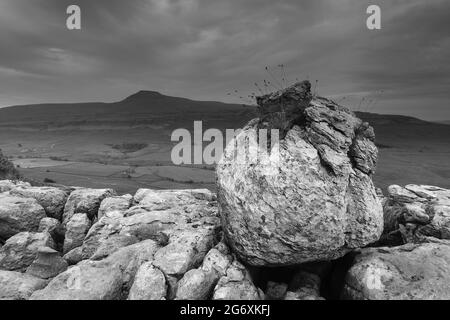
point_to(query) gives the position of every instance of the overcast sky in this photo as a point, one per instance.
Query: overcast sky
(203, 49)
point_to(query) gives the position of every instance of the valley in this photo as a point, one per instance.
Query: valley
(127, 145)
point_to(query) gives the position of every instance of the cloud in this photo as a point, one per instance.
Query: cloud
(203, 49)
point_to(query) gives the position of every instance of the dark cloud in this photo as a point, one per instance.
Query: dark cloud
(203, 49)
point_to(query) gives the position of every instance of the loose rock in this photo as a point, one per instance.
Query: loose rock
(20, 250)
(117, 203)
(48, 264)
(77, 228)
(149, 284)
(50, 198)
(86, 201)
(109, 279)
(18, 286)
(408, 272)
(19, 214)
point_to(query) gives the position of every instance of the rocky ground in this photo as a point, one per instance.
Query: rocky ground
(92, 244)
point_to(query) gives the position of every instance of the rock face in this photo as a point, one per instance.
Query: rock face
(170, 244)
(314, 199)
(85, 201)
(142, 252)
(76, 230)
(51, 199)
(21, 250)
(19, 214)
(408, 272)
(18, 286)
(109, 279)
(415, 212)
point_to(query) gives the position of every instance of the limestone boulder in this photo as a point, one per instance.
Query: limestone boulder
(22, 249)
(51, 199)
(48, 264)
(149, 284)
(408, 272)
(108, 279)
(76, 230)
(196, 284)
(18, 286)
(186, 250)
(85, 200)
(308, 196)
(415, 212)
(116, 203)
(18, 214)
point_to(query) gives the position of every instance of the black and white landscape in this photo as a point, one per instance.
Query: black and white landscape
(355, 206)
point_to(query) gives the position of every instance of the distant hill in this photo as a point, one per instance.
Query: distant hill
(143, 107)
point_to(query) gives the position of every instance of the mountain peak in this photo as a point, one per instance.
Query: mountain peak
(144, 95)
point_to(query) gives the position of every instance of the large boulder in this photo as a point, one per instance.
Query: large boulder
(20, 250)
(50, 198)
(408, 272)
(84, 200)
(415, 212)
(311, 196)
(108, 279)
(18, 286)
(19, 214)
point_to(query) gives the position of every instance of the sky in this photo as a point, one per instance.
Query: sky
(205, 49)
